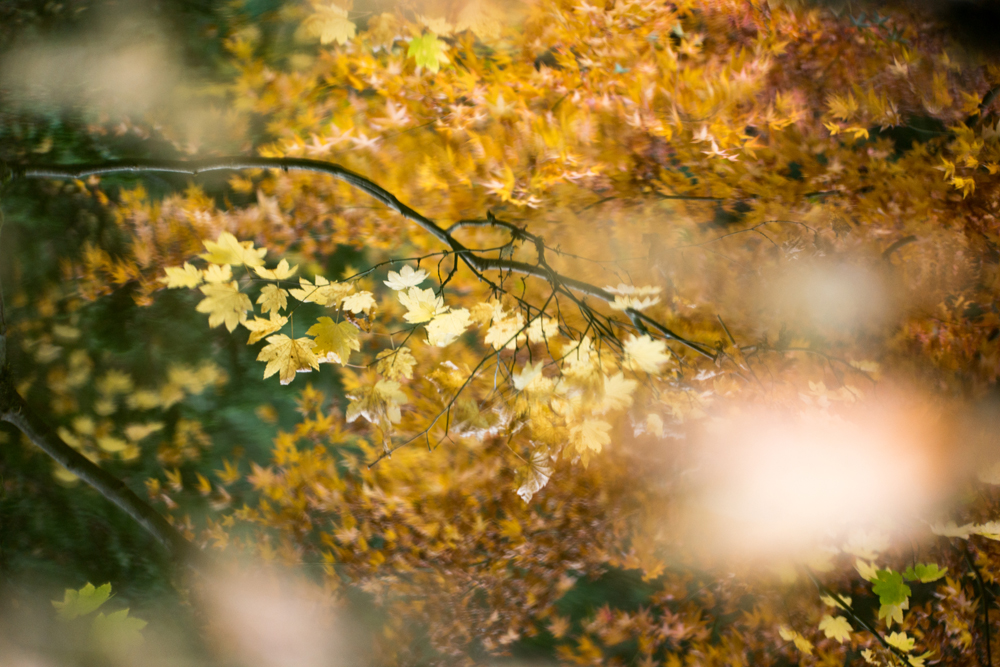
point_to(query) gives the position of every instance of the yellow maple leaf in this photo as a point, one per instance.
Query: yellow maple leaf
(482, 18)
(617, 392)
(287, 356)
(227, 250)
(542, 329)
(645, 354)
(800, 642)
(868, 571)
(901, 641)
(383, 30)
(260, 327)
(836, 627)
(428, 51)
(536, 475)
(379, 404)
(225, 304)
(280, 272)
(330, 24)
(526, 377)
(362, 302)
(446, 327)
(842, 107)
(216, 273)
(591, 435)
(506, 332)
(323, 292)
(893, 612)
(484, 313)
(831, 601)
(187, 276)
(405, 279)
(334, 340)
(421, 305)
(397, 363)
(272, 299)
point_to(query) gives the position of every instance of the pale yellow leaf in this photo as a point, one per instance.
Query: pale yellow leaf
(187, 276)
(447, 327)
(506, 332)
(527, 375)
(323, 292)
(836, 627)
(901, 641)
(216, 273)
(591, 435)
(225, 304)
(394, 364)
(406, 278)
(421, 305)
(618, 393)
(542, 329)
(362, 302)
(227, 250)
(536, 475)
(330, 24)
(280, 272)
(645, 354)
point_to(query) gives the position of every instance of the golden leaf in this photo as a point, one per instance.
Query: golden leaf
(836, 627)
(287, 356)
(397, 363)
(272, 299)
(260, 327)
(334, 340)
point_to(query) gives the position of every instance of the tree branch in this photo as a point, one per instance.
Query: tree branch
(15, 411)
(475, 262)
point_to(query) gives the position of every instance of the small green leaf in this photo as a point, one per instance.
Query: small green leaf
(924, 572)
(428, 51)
(82, 602)
(889, 587)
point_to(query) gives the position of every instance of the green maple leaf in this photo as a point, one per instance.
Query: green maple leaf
(428, 51)
(118, 629)
(924, 572)
(889, 587)
(82, 602)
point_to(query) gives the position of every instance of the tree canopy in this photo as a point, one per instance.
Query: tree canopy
(615, 333)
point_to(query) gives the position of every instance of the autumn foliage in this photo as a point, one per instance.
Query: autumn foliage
(702, 291)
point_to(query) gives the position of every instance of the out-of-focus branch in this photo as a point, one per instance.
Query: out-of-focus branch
(15, 411)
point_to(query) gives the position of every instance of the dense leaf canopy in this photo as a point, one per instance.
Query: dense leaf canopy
(613, 333)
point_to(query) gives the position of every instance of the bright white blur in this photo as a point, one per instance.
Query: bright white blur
(775, 484)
